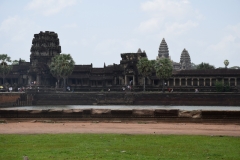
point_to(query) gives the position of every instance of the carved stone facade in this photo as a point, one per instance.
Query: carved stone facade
(45, 45)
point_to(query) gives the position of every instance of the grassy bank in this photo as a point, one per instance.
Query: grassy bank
(116, 146)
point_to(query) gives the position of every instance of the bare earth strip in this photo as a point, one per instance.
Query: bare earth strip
(120, 128)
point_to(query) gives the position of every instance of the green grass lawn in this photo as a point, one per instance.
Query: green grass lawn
(118, 146)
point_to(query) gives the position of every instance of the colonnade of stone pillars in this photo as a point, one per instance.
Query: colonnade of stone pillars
(198, 81)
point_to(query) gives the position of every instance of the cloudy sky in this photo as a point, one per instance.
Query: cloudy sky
(98, 31)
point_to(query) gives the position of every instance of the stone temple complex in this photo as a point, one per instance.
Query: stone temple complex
(46, 45)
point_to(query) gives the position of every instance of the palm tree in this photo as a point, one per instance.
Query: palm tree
(61, 67)
(5, 68)
(226, 63)
(163, 69)
(145, 68)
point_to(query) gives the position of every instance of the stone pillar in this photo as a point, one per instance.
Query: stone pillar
(229, 80)
(204, 82)
(133, 80)
(125, 80)
(168, 82)
(38, 79)
(29, 80)
(210, 81)
(174, 82)
(180, 82)
(185, 81)
(198, 81)
(235, 81)
(192, 82)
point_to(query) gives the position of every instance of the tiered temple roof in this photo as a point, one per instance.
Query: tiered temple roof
(185, 60)
(163, 50)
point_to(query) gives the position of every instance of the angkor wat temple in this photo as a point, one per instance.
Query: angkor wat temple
(45, 45)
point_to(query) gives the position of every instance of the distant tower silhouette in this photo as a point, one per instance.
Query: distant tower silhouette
(185, 60)
(163, 50)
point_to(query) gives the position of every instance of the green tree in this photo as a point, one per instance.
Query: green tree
(205, 66)
(16, 62)
(221, 87)
(145, 68)
(5, 67)
(163, 68)
(193, 66)
(235, 67)
(61, 67)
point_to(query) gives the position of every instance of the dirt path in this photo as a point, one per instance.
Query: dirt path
(120, 128)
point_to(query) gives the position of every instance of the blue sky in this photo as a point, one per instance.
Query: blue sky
(98, 31)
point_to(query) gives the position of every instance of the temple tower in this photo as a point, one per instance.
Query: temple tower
(185, 60)
(163, 50)
(45, 45)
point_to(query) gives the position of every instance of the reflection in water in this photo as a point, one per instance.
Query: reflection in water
(188, 108)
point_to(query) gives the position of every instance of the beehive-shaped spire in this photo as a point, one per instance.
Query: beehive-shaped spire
(163, 50)
(185, 60)
(139, 50)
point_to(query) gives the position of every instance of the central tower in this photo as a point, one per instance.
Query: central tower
(163, 50)
(45, 46)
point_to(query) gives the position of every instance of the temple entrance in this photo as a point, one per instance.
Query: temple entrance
(130, 80)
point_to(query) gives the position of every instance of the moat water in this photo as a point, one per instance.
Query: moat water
(119, 107)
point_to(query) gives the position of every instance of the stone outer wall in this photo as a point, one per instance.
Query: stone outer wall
(120, 98)
(137, 98)
(9, 99)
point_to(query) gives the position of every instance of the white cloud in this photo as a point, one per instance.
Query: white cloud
(149, 25)
(168, 7)
(179, 28)
(24, 26)
(111, 46)
(166, 16)
(72, 25)
(228, 46)
(49, 7)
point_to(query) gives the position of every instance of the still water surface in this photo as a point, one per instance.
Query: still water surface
(188, 108)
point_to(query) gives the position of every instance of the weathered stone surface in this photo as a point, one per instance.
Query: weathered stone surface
(77, 110)
(186, 114)
(143, 112)
(196, 114)
(55, 111)
(67, 111)
(101, 111)
(190, 114)
(35, 111)
(9, 99)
